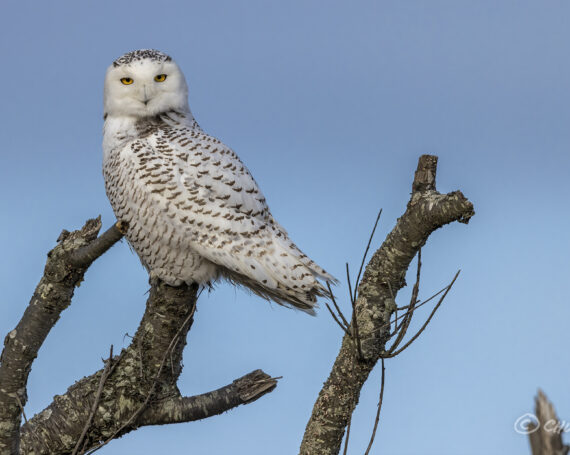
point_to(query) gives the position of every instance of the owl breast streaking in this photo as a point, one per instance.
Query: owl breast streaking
(195, 213)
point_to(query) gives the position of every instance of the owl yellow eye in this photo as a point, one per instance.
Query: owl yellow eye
(160, 78)
(127, 80)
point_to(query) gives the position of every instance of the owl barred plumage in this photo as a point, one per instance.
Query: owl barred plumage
(194, 211)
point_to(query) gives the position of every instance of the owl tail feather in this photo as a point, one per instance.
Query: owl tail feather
(304, 301)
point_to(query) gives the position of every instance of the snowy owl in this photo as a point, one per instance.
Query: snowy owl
(195, 214)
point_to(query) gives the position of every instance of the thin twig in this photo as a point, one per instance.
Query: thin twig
(345, 451)
(349, 285)
(424, 301)
(396, 310)
(377, 412)
(347, 325)
(394, 354)
(395, 320)
(172, 358)
(21, 408)
(354, 330)
(140, 353)
(199, 293)
(87, 425)
(143, 406)
(336, 320)
(414, 299)
(357, 336)
(365, 254)
(425, 212)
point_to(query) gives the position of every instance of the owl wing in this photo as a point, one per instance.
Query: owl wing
(206, 191)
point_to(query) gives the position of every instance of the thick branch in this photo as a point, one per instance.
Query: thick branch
(244, 390)
(427, 211)
(141, 390)
(52, 295)
(138, 370)
(137, 387)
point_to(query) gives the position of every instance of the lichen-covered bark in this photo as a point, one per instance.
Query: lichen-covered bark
(136, 388)
(52, 295)
(384, 275)
(141, 389)
(135, 375)
(185, 409)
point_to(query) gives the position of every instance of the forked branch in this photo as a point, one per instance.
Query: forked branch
(53, 295)
(383, 277)
(113, 401)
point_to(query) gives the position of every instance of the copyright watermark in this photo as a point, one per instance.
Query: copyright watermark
(528, 423)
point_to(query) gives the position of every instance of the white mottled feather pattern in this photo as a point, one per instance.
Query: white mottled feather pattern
(194, 211)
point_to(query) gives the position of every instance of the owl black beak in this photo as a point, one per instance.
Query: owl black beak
(146, 98)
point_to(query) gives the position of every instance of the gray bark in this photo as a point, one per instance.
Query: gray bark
(384, 275)
(545, 435)
(138, 386)
(53, 295)
(135, 388)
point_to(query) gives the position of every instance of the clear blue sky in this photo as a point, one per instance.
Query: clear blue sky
(329, 104)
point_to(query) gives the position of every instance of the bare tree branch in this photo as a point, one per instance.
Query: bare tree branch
(384, 275)
(545, 436)
(86, 255)
(52, 295)
(344, 325)
(141, 389)
(366, 254)
(392, 352)
(244, 390)
(403, 327)
(144, 405)
(354, 321)
(340, 324)
(106, 371)
(137, 387)
(377, 419)
(347, 437)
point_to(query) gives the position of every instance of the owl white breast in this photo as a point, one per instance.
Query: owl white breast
(195, 213)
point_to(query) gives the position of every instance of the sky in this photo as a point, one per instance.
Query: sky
(329, 104)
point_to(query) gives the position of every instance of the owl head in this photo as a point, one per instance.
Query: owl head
(144, 83)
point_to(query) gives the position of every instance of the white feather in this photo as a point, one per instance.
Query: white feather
(195, 213)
